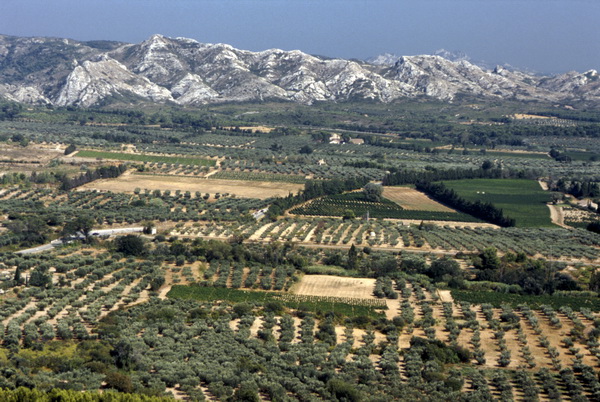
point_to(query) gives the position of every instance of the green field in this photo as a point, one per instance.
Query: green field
(581, 156)
(523, 200)
(343, 306)
(146, 158)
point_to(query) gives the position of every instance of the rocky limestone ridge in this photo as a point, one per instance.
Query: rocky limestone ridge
(184, 71)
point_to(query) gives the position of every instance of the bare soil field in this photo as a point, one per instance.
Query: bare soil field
(522, 116)
(335, 286)
(32, 153)
(18, 159)
(411, 199)
(249, 189)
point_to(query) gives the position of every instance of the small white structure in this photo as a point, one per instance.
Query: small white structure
(335, 139)
(258, 215)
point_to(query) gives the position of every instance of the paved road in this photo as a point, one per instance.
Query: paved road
(96, 232)
(39, 249)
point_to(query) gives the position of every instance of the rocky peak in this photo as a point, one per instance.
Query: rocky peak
(185, 71)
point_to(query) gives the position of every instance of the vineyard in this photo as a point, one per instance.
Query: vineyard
(341, 205)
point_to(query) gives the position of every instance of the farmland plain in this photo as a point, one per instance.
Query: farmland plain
(324, 292)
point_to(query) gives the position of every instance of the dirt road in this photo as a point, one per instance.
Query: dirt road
(557, 216)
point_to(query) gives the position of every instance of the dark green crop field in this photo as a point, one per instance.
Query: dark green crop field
(523, 200)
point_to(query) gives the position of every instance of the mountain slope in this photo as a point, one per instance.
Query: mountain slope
(184, 71)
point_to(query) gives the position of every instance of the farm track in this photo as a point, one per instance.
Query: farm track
(557, 216)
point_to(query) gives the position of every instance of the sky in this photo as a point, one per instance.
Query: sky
(546, 36)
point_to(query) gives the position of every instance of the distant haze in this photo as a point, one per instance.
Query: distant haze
(542, 35)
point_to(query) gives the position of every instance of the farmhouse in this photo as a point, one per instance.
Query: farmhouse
(335, 139)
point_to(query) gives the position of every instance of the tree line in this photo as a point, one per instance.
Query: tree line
(104, 172)
(406, 176)
(578, 188)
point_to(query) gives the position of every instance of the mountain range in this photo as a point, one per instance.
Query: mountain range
(65, 72)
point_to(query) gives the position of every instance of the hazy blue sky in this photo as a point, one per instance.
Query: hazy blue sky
(544, 35)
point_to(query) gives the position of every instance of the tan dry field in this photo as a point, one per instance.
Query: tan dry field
(411, 199)
(522, 116)
(254, 129)
(335, 286)
(34, 152)
(248, 189)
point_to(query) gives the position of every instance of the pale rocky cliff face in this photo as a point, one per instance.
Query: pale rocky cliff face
(184, 71)
(93, 81)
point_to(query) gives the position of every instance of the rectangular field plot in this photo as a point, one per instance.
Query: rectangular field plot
(249, 189)
(522, 200)
(146, 158)
(343, 305)
(411, 199)
(335, 286)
